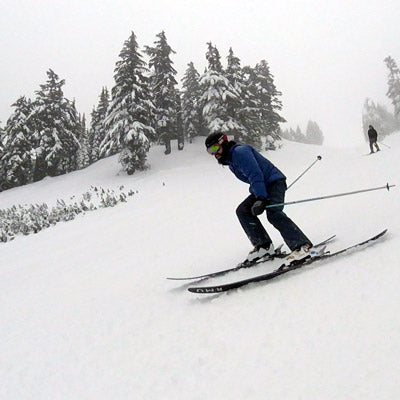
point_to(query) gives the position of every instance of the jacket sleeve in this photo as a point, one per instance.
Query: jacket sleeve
(245, 161)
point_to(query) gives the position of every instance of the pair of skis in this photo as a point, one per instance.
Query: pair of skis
(283, 269)
(247, 264)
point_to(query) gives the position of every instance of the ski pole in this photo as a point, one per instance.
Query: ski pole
(318, 158)
(387, 186)
(385, 145)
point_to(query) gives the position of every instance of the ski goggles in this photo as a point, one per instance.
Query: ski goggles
(213, 149)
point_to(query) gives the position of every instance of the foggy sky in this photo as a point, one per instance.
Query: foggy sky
(326, 56)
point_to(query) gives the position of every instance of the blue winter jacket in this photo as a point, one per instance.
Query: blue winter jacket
(251, 167)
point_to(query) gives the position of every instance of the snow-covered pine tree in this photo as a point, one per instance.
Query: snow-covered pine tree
(314, 134)
(191, 111)
(97, 131)
(76, 129)
(216, 93)
(17, 159)
(268, 102)
(83, 153)
(94, 152)
(294, 135)
(393, 85)
(285, 134)
(164, 90)
(56, 126)
(240, 115)
(128, 116)
(290, 134)
(299, 136)
(179, 122)
(251, 112)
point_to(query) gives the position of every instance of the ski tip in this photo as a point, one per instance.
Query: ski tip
(185, 278)
(380, 234)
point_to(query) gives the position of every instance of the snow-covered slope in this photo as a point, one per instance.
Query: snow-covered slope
(86, 311)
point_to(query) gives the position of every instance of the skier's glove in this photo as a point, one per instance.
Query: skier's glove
(259, 206)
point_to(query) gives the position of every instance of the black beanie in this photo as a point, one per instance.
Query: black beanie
(213, 138)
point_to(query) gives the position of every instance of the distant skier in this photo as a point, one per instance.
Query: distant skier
(373, 138)
(267, 186)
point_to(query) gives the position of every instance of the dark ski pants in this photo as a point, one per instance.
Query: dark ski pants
(255, 231)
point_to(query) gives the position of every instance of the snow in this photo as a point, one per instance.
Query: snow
(86, 311)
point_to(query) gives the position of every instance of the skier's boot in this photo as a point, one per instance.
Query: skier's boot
(261, 251)
(298, 254)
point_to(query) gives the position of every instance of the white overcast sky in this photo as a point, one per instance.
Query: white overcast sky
(326, 56)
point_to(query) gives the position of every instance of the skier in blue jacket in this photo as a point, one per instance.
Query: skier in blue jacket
(267, 186)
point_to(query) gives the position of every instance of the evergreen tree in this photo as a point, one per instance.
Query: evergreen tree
(56, 125)
(191, 111)
(238, 118)
(97, 131)
(128, 117)
(214, 59)
(217, 93)
(393, 85)
(286, 134)
(83, 153)
(268, 101)
(17, 157)
(292, 134)
(251, 105)
(76, 129)
(298, 135)
(164, 90)
(179, 121)
(314, 134)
